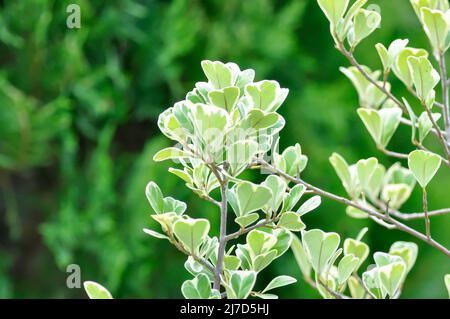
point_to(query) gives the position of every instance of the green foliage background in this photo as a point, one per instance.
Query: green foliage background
(78, 110)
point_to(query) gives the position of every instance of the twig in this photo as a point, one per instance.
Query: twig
(398, 225)
(222, 236)
(445, 98)
(425, 211)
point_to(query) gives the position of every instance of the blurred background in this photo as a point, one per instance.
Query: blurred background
(78, 110)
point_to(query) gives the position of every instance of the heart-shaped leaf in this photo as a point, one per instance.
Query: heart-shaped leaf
(197, 288)
(407, 251)
(291, 221)
(365, 22)
(170, 153)
(333, 9)
(356, 248)
(231, 262)
(301, 257)
(259, 120)
(357, 291)
(320, 247)
(278, 187)
(436, 26)
(260, 242)
(423, 165)
(240, 155)
(240, 284)
(425, 124)
(365, 169)
(424, 76)
(293, 197)
(251, 197)
(218, 74)
(263, 260)
(392, 276)
(401, 67)
(266, 95)
(225, 98)
(191, 232)
(96, 291)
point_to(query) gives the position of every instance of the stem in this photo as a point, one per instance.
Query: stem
(222, 236)
(398, 225)
(445, 109)
(436, 127)
(425, 211)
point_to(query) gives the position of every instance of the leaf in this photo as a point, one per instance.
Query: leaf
(320, 247)
(278, 188)
(347, 265)
(356, 213)
(424, 76)
(436, 28)
(263, 260)
(240, 154)
(266, 95)
(447, 283)
(246, 220)
(225, 98)
(278, 282)
(371, 281)
(309, 205)
(407, 251)
(291, 221)
(293, 197)
(356, 248)
(191, 232)
(284, 240)
(197, 288)
(259, 120)
(423, 165)
(392, 276)
(425, 124)
(396, 194)
(155, 197)
(365, 168)
(231, 262)
(384, 56)
(365, 22)
(260, 242)
(265, 296)
(218, 74)
(174, 205)
(169, 153)
(333, 9)
(357, 291)
(301, 257)
(384, 259)
(155, 234)
(241, 284)
(343, 171)
(373, 123)
(96, 291)
(390, 117)
(389, 56)
(401, 66)
(251, 197)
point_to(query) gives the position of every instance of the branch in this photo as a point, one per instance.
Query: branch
(445, 98)
(411, 216)
(199, 259)
(386, 218)
(244, 231)
(222, 236)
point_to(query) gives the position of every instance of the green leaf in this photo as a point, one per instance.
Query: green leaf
(424, 76)
(384, 259)
(265, 296)
(436, 28)
(218, 74)
(278, 282)
(373, 123)
(301, 257)
(260, 242)
(343, 171)
(392, 276)
(447, 283)
(197, 288)
(357, 291)
(425, 124)
(291, 221)
(347, 265)
(155, 197)
(381, 124)
(225, 98)
(154, 234)
(396, 194)
(365, 22)
(384, 56)
(240, 154)
(356, 213)
(401, 66)
(251, 197)
(231, 262)
(284, 240)
(407, 251)
(320, 247)
(389, 56)
(356, 248)
(423, 165)
(263, 260)
(259, 120)
(278, 187)
(365, 168)
(96, 291)
(333, 9)
(309, 205)
(293, 197)
(246, 220)
(266, 95)
(191, 232)
(240, 284)
(169, 153)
